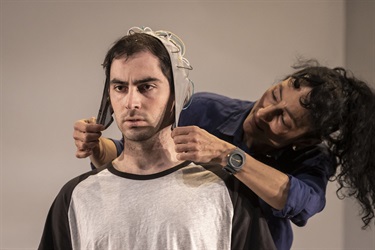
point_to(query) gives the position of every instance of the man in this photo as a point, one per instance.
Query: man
(292, 136)
(147, 198)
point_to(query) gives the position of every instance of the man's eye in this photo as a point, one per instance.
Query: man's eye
(145, 88)
(119, 88)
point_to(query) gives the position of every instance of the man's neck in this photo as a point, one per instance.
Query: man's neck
(148, 157)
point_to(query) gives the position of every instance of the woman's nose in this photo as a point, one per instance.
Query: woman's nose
(267, 113)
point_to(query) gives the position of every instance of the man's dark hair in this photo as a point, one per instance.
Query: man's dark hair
(132, 44)
(341, 110)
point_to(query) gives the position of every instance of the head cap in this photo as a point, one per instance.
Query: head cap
(183, 86)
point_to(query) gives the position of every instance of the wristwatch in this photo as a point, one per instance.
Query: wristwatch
(236, 159)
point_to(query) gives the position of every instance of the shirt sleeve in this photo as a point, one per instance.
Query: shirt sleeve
(56, 233)
(307, 191)
(119, 144)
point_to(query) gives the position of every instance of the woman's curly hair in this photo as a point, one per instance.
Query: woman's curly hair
(342, 114)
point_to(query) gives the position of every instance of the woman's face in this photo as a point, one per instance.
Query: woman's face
(278, 119)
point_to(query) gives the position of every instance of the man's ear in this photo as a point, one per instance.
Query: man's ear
(305, 142)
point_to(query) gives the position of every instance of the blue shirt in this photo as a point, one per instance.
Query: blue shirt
(308, 169)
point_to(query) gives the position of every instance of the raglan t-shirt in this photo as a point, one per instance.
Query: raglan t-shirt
(308, 169)
(189, 206)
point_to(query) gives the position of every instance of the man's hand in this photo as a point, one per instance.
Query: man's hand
(86, 136)
(197, 145)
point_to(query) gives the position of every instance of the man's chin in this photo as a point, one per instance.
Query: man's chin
(137, 138)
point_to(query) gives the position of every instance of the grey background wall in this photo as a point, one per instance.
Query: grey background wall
(50, 76)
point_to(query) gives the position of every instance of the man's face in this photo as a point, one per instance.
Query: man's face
(277, 119)
(140, 96)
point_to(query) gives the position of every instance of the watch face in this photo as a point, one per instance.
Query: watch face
(236, 160)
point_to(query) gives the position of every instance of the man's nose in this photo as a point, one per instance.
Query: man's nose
(132, 99)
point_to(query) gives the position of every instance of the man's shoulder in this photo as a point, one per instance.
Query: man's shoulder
(69, 186)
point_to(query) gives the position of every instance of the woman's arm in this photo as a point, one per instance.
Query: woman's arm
(88, 140)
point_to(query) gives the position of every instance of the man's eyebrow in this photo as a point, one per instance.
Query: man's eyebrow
(286, 108)
(115, 80)
(136, 82)
(146, 80)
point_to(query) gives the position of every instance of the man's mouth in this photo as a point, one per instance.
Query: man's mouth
(135, 121)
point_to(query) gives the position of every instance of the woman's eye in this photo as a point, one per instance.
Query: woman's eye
(274, 95)
(283, 120)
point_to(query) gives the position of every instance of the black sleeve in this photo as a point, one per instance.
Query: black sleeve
(56, 233)
(250, 230)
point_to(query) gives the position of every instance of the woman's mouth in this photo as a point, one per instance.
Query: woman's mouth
(256, 123)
